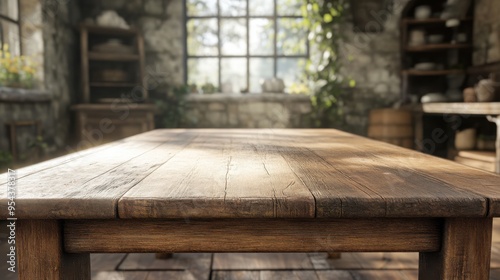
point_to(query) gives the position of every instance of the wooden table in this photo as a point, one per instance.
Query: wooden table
(489, 109)
(252, 190)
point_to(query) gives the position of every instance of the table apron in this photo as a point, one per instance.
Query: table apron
(253, 235)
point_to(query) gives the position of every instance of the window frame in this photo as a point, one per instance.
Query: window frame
(275, 17)
(16, 22)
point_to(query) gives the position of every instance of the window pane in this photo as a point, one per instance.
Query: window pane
(9, 9)
(260, 69)
(202, 71)
(291, 70)
(234, 73)
(261, 7)
(288, 7)
(233, 7)
(201, 7)
(233, 36)
(261, 36)
(10, 35)
(292, 37)
(202, 37)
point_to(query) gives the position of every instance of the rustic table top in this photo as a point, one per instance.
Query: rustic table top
(238, 173)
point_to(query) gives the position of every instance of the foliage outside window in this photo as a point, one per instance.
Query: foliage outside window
(232, 45)
(326, 20)
(15, 70)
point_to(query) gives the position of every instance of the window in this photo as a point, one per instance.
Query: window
(234, 44)
(10, 33)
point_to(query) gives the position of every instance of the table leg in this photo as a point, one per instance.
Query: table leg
(334, 255)
(41, 256)
(465, 251)
(497, 143)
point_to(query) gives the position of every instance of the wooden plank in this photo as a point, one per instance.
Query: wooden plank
(105, 262)
(401, 191)
(187, 261)
(486, 156)
(261, 261)
(91, 186)
(478, 108)
(436, 47)
(84, 65)
(356, 261)
(74, 154)
(220, 175)
(362, 275)
(227, 180)
(41, 256)
(479, 164)
(113, 57)
(271, 275)
(321, 261)
(465, 251)
(188, 275)
(251, 235)
(414, 72)
(409, 163)
(120, 275)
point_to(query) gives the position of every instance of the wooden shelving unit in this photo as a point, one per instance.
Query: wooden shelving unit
(413, 72)
(437, 47)
(114, 57)
(112, 85)
(417, 82)
(432, 21)
(112, 69)
(93, 61)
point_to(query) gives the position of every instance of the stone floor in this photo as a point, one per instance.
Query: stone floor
(219, 266)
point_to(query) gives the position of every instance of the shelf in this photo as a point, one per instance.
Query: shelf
(113, 31)
(487, 108)
(111, 84)
(412, 72)
(113, 57)
(415, 21)
(437, 47)
(105, 106)
(484, 69)
(479, 164)
(487, 156)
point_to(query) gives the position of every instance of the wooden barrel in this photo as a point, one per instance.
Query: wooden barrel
(392, 126)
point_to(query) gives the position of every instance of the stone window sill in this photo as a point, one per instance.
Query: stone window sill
(18, 95)
(250, 97)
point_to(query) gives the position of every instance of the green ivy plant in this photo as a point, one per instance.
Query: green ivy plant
(324, 20)
(170, 103)
(5, 159)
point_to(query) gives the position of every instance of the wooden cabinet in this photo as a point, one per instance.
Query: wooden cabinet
(435, 51)
(112, 64)
(114, 99)
(101, 123)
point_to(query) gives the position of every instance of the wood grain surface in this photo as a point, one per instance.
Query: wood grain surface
(252, 173)
(253, 235)
(465, 252)
(41, 255)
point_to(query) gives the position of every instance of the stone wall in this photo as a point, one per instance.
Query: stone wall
(21, 106)
(48, 36)
(486, 32)
(247, 111)
(373, 61)
(162, 24)
(60, 43)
